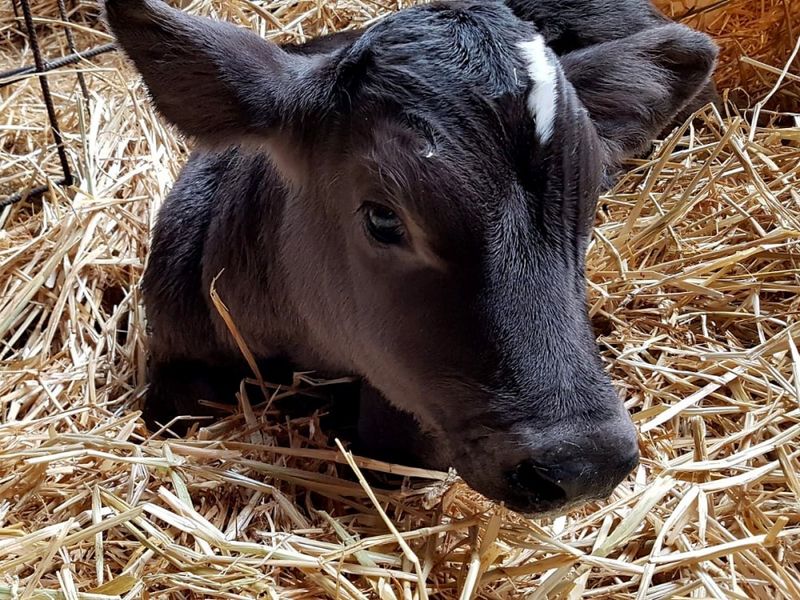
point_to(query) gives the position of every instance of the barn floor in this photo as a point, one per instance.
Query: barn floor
(694, 273)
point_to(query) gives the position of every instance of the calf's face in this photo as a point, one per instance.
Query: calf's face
(443, 170)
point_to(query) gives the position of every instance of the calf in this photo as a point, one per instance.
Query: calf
(411, 204)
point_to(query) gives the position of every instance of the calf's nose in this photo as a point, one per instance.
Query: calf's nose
(577, 468)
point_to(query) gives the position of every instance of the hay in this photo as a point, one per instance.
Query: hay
(694, 280)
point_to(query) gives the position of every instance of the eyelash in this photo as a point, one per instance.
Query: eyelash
(383, 224)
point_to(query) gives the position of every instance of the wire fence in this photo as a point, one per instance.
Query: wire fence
(42, 66)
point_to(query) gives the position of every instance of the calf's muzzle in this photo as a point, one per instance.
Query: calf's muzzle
(575, 468)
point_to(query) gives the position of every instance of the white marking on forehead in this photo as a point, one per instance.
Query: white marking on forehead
(543, 97)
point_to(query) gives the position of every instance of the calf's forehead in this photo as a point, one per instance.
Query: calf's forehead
(474, 71)
(446, 49)
(469, 95)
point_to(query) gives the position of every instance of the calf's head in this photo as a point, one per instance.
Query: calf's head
(442, 172)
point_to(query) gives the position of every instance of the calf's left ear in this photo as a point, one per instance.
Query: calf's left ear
(635, 86)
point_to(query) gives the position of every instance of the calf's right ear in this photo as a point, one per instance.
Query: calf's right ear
(634, 87)
(217, 82)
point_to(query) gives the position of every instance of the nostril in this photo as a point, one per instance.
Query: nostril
(534, 481)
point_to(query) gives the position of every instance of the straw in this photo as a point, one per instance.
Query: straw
(693, 277)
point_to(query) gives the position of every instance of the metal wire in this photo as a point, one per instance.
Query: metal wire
(62, 11)
(27, 194)
(42, 67)
(48, 99)
(14, 75)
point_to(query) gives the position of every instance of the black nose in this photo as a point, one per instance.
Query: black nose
(537, 485)
(582, 468)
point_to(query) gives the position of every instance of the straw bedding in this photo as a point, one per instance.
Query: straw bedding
(694, 276)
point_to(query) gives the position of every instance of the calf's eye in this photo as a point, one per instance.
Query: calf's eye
(383, 224)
